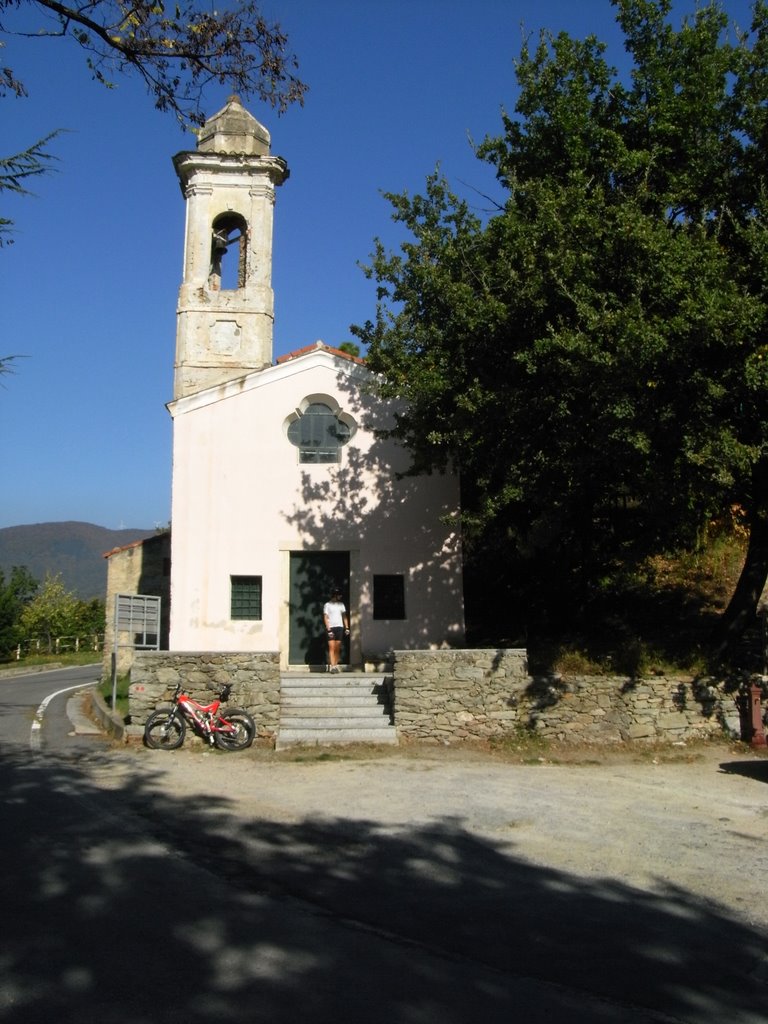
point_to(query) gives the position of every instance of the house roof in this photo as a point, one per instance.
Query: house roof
(135, 544)
(124, 547)
(285, 366)
(322, 347)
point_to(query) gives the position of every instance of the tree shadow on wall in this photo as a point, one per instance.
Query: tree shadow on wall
(138, 904)
(367, 495)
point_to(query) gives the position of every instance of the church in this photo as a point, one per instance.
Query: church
(284, 483)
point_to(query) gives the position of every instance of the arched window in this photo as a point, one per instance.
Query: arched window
(229, 252)
(319, 433)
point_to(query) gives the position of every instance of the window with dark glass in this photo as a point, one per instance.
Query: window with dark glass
(319, 434)
(245, 597)
(388, 597)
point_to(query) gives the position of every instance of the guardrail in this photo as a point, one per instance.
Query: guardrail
(60, 644)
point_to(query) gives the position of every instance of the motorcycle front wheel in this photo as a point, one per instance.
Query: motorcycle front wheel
(240, 730)
(164, 731)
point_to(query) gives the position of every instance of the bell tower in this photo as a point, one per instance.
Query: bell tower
(225, 311)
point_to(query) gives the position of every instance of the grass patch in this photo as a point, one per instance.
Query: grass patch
(121, 695)
(524, 744)
(63, 660)
(659, 615)
(627, 656)
(661, 618)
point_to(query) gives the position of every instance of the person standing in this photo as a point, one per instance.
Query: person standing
(336, 621)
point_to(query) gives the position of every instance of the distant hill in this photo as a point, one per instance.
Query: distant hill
(76, 550)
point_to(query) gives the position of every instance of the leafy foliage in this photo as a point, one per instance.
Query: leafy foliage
(14, 171)
(350, 348)
(176, 49)
(592, 357)
(55, 611)
(15, 592)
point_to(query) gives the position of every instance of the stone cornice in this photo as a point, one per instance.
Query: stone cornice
(190, 163)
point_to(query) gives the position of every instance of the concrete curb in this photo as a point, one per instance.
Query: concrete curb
(109, 720)
(28, 670)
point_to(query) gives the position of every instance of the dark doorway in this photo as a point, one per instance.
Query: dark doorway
(313, 575)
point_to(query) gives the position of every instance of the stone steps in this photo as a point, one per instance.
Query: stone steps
(310, 699)
(322, 709)
(337, 709)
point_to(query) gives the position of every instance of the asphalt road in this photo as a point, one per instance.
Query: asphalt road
(30, 701)
(143, 886)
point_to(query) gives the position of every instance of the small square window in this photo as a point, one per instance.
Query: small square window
(246, 597)
(388, 597)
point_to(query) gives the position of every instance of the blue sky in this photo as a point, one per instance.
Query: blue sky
(89, 287)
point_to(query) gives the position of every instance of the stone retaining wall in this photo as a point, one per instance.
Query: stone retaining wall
(476, 694)
(255, 680)
(452, 695)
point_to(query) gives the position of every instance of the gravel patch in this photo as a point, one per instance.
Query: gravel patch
(690, 817)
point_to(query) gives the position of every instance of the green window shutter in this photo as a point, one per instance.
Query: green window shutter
(245, 597)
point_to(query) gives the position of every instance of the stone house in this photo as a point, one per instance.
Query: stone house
(143, 567)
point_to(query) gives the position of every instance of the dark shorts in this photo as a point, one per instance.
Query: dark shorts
(337, 633)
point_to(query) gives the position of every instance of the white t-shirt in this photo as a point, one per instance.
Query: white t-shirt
(334, 612)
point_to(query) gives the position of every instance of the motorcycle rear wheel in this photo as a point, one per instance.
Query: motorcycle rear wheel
(242, 734)
(164, 731)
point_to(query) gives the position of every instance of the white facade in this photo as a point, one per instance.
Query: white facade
(243, 502)
(253, 512)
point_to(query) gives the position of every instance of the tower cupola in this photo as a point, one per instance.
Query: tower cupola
(233, 130)
(225, 311)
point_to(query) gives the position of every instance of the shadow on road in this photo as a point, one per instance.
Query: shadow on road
(757, 770)
(132, 906)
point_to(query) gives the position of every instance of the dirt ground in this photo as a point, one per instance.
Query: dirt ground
(691, 817)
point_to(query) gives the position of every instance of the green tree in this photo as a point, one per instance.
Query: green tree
(177, 49)
(53, 612)
(350, 348)
(592, 356)
(14, 172)
(90, 618)
(15, 592)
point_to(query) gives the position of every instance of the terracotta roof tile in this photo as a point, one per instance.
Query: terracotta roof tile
(134, 544)
(125, 547)
(319, 345)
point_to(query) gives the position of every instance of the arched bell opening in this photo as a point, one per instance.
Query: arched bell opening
(229, 253)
